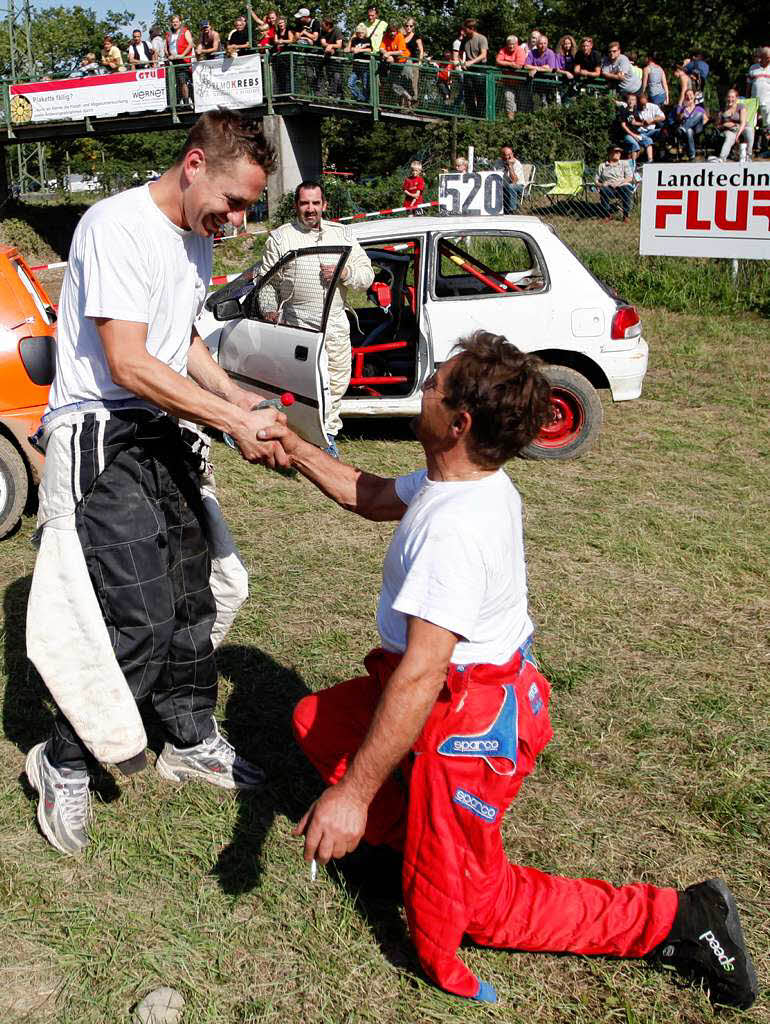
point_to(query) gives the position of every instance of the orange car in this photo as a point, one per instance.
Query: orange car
(27, 361)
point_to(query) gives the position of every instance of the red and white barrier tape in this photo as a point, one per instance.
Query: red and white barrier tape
(226, 278)
(50, 266)
(61, 266)
(382, 213)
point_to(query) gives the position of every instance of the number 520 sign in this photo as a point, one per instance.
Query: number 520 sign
(474, 194)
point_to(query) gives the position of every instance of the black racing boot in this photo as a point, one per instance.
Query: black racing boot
(706, 944)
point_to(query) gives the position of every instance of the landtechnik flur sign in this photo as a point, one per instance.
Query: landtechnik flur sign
(718, 210)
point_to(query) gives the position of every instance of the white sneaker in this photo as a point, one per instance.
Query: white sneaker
(214, 760)
(64, 806)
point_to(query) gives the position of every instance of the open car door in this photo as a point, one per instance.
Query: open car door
(273, 341)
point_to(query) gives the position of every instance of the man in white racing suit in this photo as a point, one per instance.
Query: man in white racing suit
(306, 230)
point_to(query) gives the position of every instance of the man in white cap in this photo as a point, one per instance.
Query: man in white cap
(308, 28)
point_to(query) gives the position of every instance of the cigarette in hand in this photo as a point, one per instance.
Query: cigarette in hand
(313, 870)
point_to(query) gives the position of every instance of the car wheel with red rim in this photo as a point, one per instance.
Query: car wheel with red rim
(577, 417)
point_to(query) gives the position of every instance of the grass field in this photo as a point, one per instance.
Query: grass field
(648, 581)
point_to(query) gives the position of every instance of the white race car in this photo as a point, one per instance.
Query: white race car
(437, 279)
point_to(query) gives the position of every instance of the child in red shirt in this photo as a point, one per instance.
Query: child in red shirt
(414, 186)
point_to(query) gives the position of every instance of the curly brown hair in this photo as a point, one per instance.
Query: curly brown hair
(504, 390)
(225, 136)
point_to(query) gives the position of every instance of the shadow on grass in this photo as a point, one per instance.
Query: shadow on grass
(27, 710)
(258, 723)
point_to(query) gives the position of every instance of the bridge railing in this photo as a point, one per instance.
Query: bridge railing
(301, 75)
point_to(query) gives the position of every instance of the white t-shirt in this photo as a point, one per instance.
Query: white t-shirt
(649, 112)
(127, 261)
(760, 82)
(457, 560)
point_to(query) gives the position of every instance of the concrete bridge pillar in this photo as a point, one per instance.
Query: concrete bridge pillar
(297, 141)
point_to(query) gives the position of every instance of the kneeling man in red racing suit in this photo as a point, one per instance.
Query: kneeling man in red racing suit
(426, 751)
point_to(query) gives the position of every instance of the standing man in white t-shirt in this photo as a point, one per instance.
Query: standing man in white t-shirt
(758, 81)
(121, 609)
(427, 750)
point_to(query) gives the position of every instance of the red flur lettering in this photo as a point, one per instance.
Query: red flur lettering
(761, 204)
(741, 220)
(662, 210)
(692, 223)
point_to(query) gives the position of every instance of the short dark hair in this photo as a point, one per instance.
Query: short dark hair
(309, 183)
(470, 23)
(226, 136)
(504, 390)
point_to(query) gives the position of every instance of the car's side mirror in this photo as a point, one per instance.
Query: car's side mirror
(228, 309)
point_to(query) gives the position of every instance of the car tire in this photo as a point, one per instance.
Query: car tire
(578, 417)
(14, 486)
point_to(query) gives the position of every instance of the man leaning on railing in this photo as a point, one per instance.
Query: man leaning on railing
(209, 43)
(139, 53)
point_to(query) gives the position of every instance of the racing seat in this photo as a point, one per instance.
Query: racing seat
(389, 293)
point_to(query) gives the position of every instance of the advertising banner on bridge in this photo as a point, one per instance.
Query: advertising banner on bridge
(718, 210)
(72, 99)
(231, 82)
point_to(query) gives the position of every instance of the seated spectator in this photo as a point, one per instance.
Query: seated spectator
(619, 70)
(654, 81)
(513, 179)
(461, 164)
(414, 187)
(179, 48)
(209, 42)
(615, 179)
(733, 123)
(158, 46)
(330, 42)
(475, 51)
(111, 56)
(416, 47)
(511, 56)
(758, 81)
(588, 63)
(88, 65)
(541, 58)
(375, 27)
(651, 119)
(265, 27)
(238, 39)
(360, 46)
(565, 56)
(307, 29)
(690, 119)
(139, 52)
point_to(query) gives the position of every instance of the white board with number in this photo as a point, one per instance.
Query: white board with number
(476, 193)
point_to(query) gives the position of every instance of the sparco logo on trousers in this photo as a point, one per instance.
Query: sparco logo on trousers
(475, 746)
(474, 804)
(726, 962)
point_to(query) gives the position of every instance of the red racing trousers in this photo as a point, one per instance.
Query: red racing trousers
(479, 742)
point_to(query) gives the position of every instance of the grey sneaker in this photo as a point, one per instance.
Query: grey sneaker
(64, 806)
(214, 760)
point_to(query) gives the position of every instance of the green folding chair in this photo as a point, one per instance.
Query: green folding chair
(569, 181)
